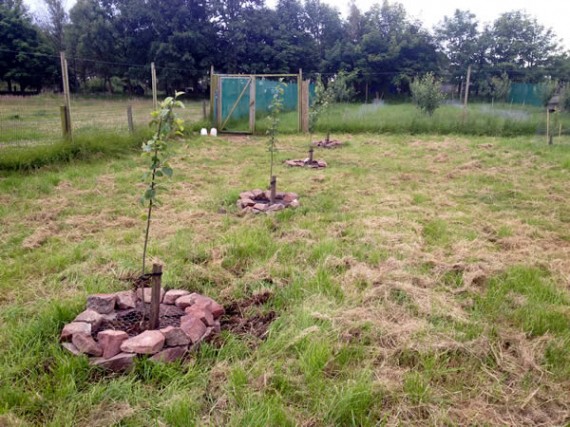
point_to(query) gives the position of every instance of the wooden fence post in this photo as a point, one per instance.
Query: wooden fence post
(305, 106)
(68, 132)
(65, 125)
(154, 86)
(130, 119)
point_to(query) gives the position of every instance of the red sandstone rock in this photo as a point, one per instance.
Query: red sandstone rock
(75, 328)
(289, 197)
(170, 311)
(257, 193)
(202, 313)
(260, 206)
(102, 303)
(148, 342)
(275, 207)
(175, 336)
(205, 302)
(295, 204)
(185, 301)
(119, 363)
(90, 316)
(170, 354)
(110, 341)
(171, 296)
(246, 195)
(147, 294)
(125, 300)
(87, 345)
(193, 327)
(71, 348)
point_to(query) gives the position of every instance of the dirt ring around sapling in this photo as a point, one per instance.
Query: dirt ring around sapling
(332, 143)
(258, 201)
(306, 163)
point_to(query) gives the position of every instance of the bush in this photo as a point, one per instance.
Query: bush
(426, 93)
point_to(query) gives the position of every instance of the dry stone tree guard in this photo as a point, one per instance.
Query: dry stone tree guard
(166, 125)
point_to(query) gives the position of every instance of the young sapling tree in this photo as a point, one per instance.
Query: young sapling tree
(427, 94)
(275, 109)
(166, 126)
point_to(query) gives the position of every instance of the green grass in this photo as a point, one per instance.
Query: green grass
(481, 119)
(423, 281)
(83, 147)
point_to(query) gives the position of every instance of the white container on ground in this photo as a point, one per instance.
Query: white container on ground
(213, 132)
(203, 132)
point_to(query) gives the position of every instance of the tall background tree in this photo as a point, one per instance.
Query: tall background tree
(114, 41)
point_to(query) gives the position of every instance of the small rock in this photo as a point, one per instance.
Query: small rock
(175, 336)
(110, 341)
(102, 303)
(205, 302)
(71, 348)
(185, 301)
(247, 202)
(246, 195)
(201, 313)
(75, 328)
(257, 193)
(322, 163)
(166, 310)
(147, 292)
(275, 207)
(279, 195)
(193, 327)
(170, 354)
(90, 316)
(87, 345)
(119, 363)
(260, 206)
(295, 204)
(171, 296)
(125, 300)
(289, 197)
(148, 342)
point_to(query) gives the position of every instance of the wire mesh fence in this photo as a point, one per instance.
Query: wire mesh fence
(97, 105)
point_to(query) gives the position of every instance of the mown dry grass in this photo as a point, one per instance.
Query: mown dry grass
(424, 281)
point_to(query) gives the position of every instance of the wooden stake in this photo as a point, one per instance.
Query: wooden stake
(67, 98)
(466, 92)
(154, 86)
(273, 189)
(204, 109)
(65, 128)
(311, 152)
(212, 93)
(305, 106)
(548, 125)
(155, 282)
(130, 119)
(300, 100)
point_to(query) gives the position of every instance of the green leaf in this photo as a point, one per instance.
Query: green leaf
(149, 194)
(167, 171)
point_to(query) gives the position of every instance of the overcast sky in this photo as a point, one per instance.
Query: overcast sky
(554, 14)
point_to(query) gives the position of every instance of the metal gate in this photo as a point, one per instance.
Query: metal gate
(235, 99)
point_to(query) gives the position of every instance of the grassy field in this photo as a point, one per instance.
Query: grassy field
(36, 120)
(423, 281)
